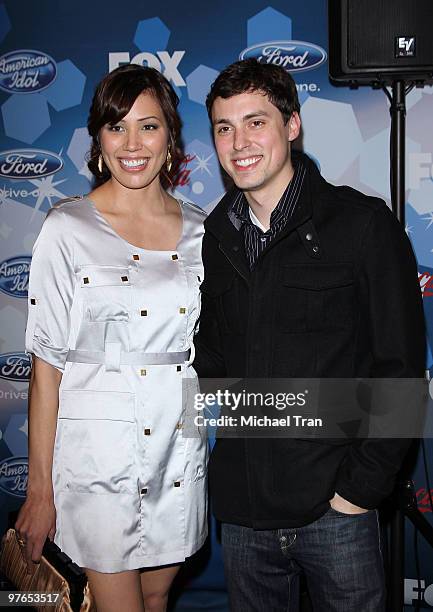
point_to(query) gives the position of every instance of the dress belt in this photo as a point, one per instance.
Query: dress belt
(130, 358)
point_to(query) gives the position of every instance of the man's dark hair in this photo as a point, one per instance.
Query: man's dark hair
(250, 75)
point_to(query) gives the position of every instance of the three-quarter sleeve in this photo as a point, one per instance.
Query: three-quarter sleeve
(51, 291)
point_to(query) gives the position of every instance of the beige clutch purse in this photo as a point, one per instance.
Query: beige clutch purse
(46, 578)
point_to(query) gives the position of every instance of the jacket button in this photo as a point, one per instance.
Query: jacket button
(309, 236)
(235, 248)
(316, 249)
(147, 431)
(143, 491)
(177, 483)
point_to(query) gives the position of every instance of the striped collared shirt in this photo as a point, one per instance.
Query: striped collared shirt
(255, 239)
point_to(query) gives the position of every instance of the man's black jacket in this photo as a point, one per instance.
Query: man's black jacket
(334, 295)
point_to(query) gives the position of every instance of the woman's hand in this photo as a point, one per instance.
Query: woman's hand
(36, 521)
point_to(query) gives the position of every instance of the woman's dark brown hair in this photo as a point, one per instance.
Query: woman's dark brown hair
(113, 99)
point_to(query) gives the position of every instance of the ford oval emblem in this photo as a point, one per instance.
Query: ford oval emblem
(26, 71)
(28, 164)
(293, 55)
(14, 276)
(14, 472)
(15, 366)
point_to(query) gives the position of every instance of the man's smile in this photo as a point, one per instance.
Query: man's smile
(247, 162)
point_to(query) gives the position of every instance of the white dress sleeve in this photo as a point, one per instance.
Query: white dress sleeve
(51, 291)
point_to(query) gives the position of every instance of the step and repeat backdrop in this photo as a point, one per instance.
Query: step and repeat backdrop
(51, 57)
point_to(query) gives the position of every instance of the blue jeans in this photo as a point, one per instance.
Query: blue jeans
(340, 555)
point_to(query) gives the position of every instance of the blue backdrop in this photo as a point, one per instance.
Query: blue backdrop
(52, 55)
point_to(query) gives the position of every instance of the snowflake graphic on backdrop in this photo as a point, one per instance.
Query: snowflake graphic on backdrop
(46, 189)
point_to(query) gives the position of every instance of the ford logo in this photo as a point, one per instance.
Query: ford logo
(26, 71)
(15, 366)
(14, 276)
(294, 55)
(28, 163)
(14, 472)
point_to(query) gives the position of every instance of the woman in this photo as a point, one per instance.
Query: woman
(113, 301)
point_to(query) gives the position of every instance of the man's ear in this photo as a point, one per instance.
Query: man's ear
(293, 126)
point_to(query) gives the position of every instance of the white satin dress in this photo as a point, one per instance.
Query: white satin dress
(118, 320)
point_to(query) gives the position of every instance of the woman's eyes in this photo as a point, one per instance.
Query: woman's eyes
(147, 127)
(114, 128)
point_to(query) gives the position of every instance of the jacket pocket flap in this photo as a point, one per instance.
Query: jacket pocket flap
(99, 276)
(317, 276)
(103, 312)
(216, 284)
(105, 405)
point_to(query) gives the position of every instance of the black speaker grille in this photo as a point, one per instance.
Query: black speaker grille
(374, 25)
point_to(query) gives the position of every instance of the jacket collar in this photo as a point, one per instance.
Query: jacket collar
(230, 239)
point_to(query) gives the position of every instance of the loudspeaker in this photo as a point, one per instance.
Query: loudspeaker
(379, 41)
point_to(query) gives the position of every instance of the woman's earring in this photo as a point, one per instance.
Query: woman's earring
(100, 162)
(168, 161)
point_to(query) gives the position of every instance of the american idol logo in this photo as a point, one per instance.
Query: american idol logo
(26, 71)
(15, 366)
(294, 55)
(28, 163)
(14, 472)
(14, 276)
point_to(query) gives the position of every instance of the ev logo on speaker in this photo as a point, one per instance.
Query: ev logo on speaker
(405, 46)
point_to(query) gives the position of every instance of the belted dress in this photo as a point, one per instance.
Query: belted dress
(118, 321)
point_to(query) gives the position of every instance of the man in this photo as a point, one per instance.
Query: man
(302, 279)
